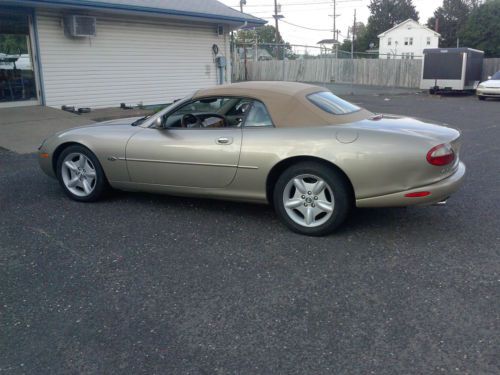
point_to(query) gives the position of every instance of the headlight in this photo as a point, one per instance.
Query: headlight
(480, 87)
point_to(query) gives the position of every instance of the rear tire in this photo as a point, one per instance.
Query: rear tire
(80, 174)
(312, 199)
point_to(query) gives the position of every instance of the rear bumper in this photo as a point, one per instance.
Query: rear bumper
(439, 192)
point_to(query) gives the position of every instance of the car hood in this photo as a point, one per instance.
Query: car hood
(409, 126)
(123, 123)
(491, 83)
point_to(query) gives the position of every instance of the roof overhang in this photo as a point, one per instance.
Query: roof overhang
(120, 8)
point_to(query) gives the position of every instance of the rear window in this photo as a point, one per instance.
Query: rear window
(331, 103)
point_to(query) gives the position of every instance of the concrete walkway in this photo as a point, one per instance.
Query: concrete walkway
(22, 129)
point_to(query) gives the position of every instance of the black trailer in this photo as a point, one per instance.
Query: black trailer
(451, 69)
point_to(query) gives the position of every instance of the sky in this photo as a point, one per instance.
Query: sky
(315, 14)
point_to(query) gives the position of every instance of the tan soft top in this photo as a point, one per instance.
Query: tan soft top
(286, 102)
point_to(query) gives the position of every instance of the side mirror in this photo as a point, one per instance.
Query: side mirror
(159, 122)
(489, 77)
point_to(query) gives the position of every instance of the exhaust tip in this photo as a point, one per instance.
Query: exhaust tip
(441, 203)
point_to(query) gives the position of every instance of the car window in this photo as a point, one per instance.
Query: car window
(331, 103)
(208, 113)
(496, 76)
(258, 116)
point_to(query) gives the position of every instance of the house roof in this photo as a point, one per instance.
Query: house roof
(409, 20)
(206, 10)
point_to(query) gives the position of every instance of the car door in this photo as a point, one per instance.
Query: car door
(185, 156)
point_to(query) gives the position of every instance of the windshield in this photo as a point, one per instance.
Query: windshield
(168, 108)
(331, 103)
(496, 76)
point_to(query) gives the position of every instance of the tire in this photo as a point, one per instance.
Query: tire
(81, 175)
(432, 91)
(309, 212)
(480, 97)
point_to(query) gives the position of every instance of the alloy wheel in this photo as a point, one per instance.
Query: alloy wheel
(78, 174)
(308, 200)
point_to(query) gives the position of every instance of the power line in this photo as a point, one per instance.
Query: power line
(304, 27)
(296, 4)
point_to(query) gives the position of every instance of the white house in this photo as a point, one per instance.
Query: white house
(407, 40)
(100, 53)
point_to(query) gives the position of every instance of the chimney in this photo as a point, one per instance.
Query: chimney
(436, 25)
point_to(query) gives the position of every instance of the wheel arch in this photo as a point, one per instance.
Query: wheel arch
(280, 167)
(60, 148)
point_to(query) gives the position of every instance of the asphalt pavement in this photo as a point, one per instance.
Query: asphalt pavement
(147, 284)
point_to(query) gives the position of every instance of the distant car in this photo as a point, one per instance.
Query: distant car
(311, 154)
(489, 88)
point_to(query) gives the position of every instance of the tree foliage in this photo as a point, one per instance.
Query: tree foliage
(451, 18)
(482, 29)
(385, 14)
(262, 35)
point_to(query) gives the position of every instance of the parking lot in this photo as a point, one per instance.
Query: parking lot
(156, 284)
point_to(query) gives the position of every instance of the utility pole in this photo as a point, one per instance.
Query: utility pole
(277, 33)
(353, 35)
(276, 17)
(334, 19)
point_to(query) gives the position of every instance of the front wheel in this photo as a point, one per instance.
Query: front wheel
(480, 97)
(80, 174)
(312, 199)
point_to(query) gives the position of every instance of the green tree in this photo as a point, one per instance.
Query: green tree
(264, 34)
(481, 30)
(451, 18)
(385, 14)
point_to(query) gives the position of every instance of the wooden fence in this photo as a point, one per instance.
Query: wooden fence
(490, 67)
(375, 72)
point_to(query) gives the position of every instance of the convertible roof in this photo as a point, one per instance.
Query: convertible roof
(286, 102)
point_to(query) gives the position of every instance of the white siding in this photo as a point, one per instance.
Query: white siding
(398, 35)
(130, 60)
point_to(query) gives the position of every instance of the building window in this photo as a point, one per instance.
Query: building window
(411, 41)
(389, 41)
(406, 41)
(428, 40)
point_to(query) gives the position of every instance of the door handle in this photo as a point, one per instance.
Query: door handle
(224, 141)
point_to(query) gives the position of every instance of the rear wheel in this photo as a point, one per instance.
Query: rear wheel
(312, 199)
(80, 174)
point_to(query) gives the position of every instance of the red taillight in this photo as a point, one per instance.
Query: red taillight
(418, 194)
(441, 155)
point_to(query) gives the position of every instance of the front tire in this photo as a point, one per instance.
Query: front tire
(480, 97)
(312, 199)
(80, 174)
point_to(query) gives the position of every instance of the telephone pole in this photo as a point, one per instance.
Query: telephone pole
(353, 35)
(277, 33)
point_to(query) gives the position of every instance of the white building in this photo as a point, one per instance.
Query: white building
(407, 40)
(113, 51)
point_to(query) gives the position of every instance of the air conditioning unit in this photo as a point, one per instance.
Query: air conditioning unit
(76, 26)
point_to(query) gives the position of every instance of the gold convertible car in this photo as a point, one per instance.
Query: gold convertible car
(309, 153)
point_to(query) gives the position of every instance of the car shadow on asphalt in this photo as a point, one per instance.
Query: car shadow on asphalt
(263, 214)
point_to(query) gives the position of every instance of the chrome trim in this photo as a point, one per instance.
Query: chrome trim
(247, 167)
(181, 162)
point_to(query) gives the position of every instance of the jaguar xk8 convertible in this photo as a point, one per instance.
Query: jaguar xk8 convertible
(309, 153)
